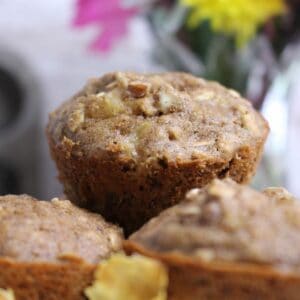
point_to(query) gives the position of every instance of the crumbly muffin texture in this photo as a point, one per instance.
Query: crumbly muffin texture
(157, 118)
(232, 223)
(42, 231)
(130, 145)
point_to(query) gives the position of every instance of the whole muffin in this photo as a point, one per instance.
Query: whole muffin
(50, 250)
(130, 145)
(227, 241)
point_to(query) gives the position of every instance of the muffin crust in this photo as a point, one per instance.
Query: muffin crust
(130, 141)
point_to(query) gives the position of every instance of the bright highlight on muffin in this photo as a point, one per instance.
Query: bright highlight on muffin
(135, 278)
(7, 294)
(240, 18)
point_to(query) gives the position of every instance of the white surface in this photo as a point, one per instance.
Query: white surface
(39, 32)
(293, 146)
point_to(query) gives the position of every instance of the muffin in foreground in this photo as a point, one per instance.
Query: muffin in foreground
(227, 241)
(50, 250)
(130, 145)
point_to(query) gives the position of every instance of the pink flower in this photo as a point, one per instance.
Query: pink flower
(109, 15)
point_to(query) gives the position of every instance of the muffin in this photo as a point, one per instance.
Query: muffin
(130, 145)
(50, 250)
(227, 241)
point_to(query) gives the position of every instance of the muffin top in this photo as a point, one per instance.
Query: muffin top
(170, 116)
(32, 230)
(229, 222)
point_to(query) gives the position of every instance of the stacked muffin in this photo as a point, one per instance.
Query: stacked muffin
(129, 147)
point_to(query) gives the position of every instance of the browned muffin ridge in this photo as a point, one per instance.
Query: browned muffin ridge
(227, 240)
(130, 145)
(50, 249)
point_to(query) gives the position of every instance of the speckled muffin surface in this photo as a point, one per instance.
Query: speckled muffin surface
(127, 141)
(49, 250)
(227, 239)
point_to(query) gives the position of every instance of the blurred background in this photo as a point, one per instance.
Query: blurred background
(48, 49)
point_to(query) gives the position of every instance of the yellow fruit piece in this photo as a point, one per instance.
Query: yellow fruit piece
(129, 277)
(7, 294)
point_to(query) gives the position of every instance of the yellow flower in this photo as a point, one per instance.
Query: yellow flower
(239, 18)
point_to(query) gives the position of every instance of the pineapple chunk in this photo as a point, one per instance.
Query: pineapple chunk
(131, 278)
(105, 106)
(7, 294)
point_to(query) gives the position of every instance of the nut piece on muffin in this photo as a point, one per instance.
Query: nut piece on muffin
(227, 241)
(50, 250)
(130, 145)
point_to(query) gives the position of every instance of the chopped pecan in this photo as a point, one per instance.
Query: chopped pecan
(138, 89)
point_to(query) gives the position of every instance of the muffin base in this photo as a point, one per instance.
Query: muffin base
(48, 281)
(129, 194)
(191, 279)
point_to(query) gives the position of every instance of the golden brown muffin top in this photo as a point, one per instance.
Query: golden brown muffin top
(229, 222)
(32, 230)
(142, 117)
